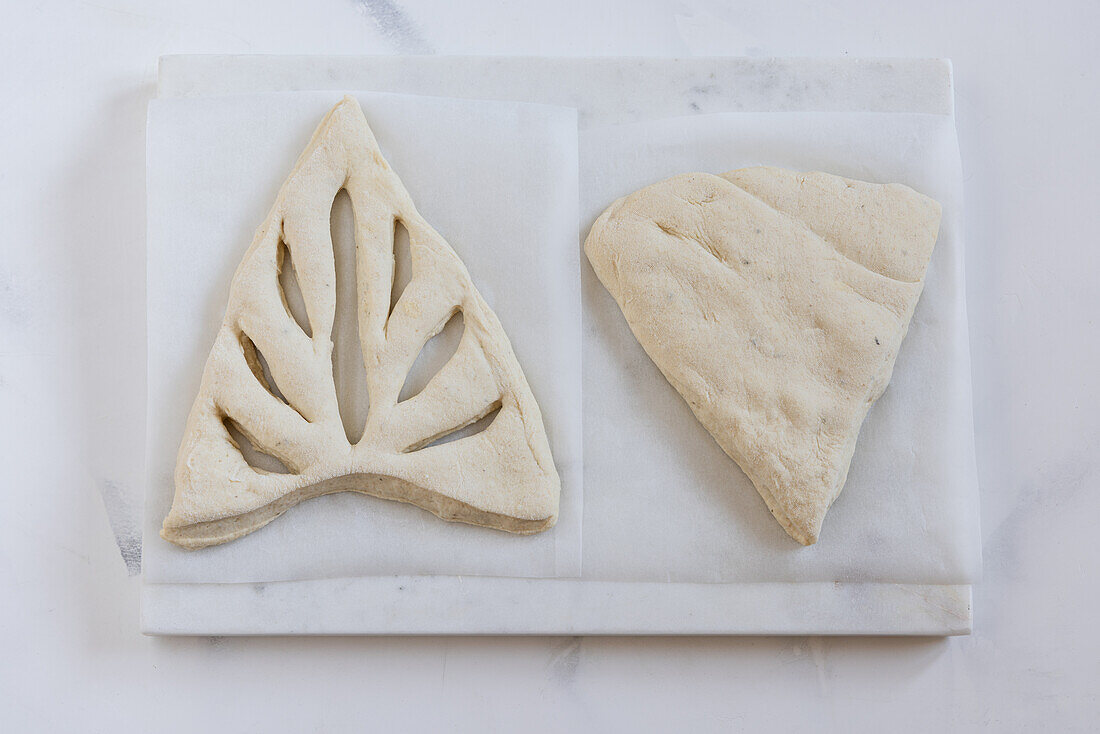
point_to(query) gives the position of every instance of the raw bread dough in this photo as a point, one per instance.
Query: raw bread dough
(502, 477)
(775, 303)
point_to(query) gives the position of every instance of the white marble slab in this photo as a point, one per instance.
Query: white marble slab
(449, 605)
(605, 91)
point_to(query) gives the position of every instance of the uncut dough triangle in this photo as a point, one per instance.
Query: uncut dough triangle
(502, 477)
(775, 303)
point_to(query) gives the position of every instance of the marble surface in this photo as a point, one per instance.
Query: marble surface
(448, 605)
(78, 77)
(605, 91)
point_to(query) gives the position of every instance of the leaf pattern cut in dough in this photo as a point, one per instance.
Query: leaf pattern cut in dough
(270, 372)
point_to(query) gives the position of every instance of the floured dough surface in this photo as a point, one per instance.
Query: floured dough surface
(775, 302)
(271, 379)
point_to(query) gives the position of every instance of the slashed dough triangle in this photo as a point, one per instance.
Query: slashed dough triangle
(502, 477)
(775, 303)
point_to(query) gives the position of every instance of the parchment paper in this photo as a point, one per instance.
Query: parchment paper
(664, 501)
(498, 180)
(602, 91)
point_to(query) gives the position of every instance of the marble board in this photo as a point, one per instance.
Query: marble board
(605, 92)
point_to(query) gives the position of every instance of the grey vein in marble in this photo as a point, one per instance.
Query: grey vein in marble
(395, 25)
(124, 523)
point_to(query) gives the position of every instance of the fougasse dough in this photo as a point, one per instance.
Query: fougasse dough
(775, 303)
(502, 477)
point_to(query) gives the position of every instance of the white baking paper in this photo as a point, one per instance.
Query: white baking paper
(664, 502)
(498, 180)
(763, 86)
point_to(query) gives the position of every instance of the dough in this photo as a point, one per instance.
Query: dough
(775, 303)
(502, 477)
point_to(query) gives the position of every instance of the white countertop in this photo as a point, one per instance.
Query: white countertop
(78, 77)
